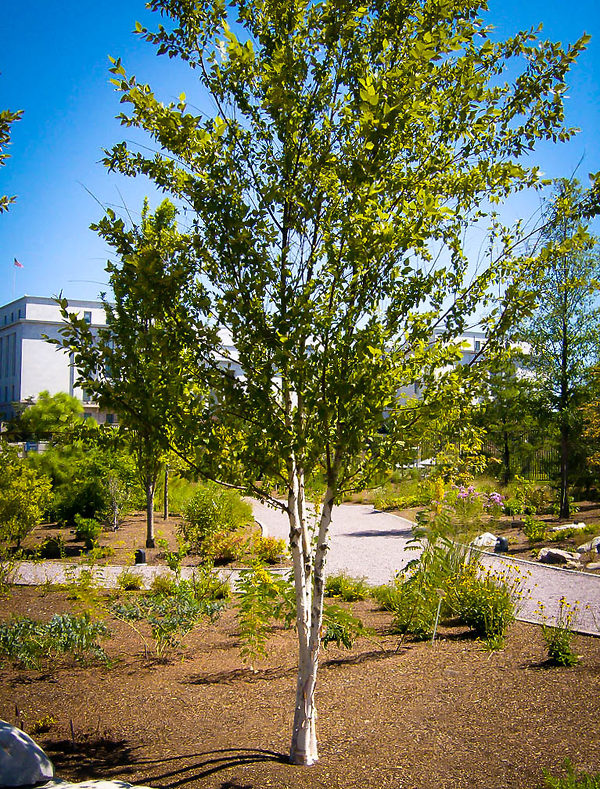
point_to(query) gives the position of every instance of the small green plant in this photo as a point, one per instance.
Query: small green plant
(262, 598)
(99, 553)
(81, 585)
(163, 584)
(572, 779)
(534, 530)
(340, 627)
(529, 498)
(42, 725)
(171, 616)
(7, 575)
(414, 595)
(346, 588)
(30, 642)
(129, 581)
(173, 558)
(559, 637)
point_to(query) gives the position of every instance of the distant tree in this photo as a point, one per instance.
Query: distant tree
(510, 411)
(135, 365)
(24, 496)
(50, 417)
(7, 118)
(564, 332)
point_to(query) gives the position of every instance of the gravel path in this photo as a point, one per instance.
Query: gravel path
(371, 544)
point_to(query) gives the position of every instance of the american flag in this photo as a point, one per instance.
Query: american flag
(17, 264)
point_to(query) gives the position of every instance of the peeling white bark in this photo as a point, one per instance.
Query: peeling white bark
(309, 590)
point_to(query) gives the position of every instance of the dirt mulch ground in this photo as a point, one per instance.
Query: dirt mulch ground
(410, 716)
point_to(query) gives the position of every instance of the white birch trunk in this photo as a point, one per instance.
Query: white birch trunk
(304, 734)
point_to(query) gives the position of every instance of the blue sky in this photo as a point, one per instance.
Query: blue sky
(54, 65)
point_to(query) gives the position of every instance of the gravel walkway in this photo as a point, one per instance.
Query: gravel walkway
(371, 544)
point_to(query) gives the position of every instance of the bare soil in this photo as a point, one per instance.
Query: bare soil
(392, 714)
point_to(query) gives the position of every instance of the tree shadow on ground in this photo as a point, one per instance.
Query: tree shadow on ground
(240, 675)
(380, 533)
(100, 756)
(182, 770)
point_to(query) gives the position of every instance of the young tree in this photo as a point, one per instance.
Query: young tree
(349, 149)
(24, 495)
(48, 418)
(563, 333)
(135, 366)
(7, 118)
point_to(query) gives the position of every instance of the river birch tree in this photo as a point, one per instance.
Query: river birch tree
(345, 150)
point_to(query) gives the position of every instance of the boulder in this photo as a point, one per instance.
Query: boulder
(593, 566)
(485, 540)
(556, 556)
(565, 526)
(22, 761)
(592, 545)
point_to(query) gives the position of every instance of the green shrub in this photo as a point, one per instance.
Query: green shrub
(485, 602)
(225, 547)
(86, 497)
(87, 529)
(346, 588)
(534, 530)
(213, 509)
(30, 642)
(529, 498)
(180, 492)
(173, 558)
(269, 550)
(24, 494)
(129, 581)
(414, 595)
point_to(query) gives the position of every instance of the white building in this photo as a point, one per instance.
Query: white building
(29, 364)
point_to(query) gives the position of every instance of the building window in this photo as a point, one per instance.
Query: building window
(87, 397)
(87, 316)
(110, 419)
(477, 345)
